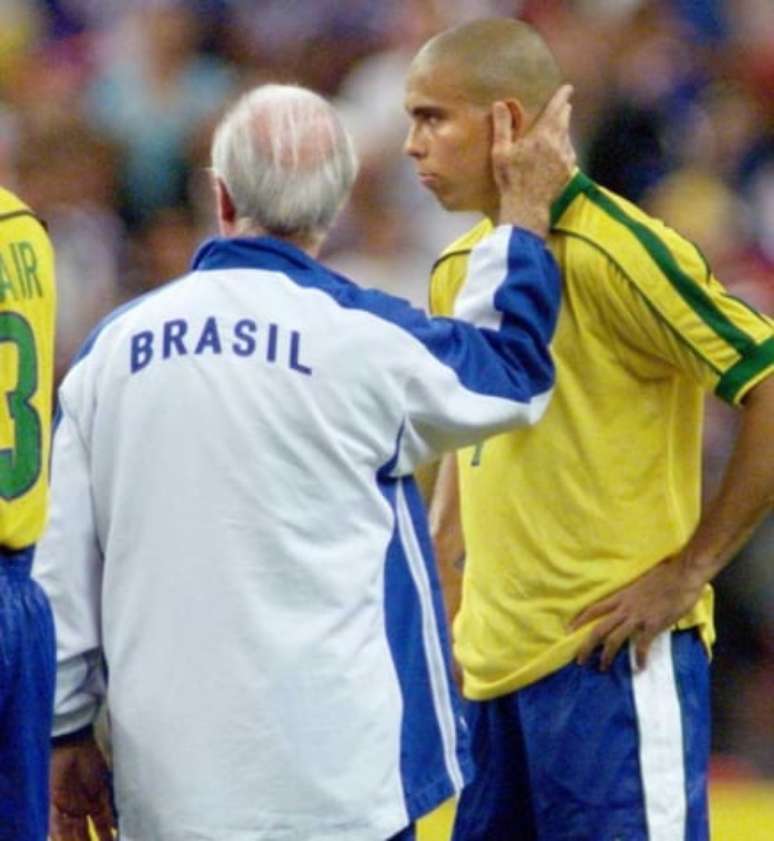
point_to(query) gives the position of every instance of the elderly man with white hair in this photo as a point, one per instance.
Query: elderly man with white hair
(237, 558)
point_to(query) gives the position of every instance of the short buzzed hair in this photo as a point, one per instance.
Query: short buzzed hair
(285, 159)
(495, 58)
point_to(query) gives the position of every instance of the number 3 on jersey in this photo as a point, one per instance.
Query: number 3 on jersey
(20, 464)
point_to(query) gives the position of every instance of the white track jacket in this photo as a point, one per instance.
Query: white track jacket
(237, 555)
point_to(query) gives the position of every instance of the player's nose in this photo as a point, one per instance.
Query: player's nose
(412, 145)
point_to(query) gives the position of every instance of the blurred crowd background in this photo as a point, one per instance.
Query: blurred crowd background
(106, 109)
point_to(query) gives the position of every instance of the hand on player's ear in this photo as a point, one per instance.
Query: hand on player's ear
(532, 168)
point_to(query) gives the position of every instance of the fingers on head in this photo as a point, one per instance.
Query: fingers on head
(558, 103)
(501, 118)
(564, 115)
(564, 94)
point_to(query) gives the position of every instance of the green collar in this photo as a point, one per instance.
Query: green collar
(577, 184)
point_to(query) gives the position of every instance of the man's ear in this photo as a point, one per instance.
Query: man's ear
(519, 121)
(225, 206)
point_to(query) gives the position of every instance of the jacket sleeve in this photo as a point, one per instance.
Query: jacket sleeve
(489, 368)
(68, 566)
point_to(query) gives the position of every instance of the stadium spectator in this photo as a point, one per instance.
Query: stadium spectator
(593, 514)
(27, 310)
(234, 524)
(162, 248)
(153, 98)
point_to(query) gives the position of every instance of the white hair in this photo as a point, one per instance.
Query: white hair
(285, 159)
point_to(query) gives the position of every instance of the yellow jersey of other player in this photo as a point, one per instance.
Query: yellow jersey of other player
(560, 515)
(27, 308)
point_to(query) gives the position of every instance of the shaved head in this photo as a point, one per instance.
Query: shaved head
(493, 59)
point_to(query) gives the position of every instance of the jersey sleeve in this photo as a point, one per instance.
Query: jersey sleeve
(445, 283)
(450, 269)
(489, 368)
(662, 299)
(68, 565)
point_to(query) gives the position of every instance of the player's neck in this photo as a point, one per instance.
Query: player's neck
(308, 243)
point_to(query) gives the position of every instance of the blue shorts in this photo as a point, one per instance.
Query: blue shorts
(408, 834)
(27, 671)
(584, 755)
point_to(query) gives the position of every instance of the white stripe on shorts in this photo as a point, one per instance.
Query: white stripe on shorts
(661, 742)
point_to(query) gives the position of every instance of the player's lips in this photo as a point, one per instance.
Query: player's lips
(427, 179)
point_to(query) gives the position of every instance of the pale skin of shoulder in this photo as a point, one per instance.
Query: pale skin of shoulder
(529, 171)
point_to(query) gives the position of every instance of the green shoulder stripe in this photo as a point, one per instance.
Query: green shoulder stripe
(683, 284)
(653, 308)
(579, 183)
(745, 370)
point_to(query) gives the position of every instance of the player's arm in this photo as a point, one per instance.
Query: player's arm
(446, 531)
(68, 565)
(490, 368)
(667, 592)
(460, 381)
(665, 311)
(724, 346)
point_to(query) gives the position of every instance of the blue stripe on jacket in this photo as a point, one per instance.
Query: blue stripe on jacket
(529, 303)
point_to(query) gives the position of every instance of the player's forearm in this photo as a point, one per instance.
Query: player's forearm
(446, 530)
(746, 494)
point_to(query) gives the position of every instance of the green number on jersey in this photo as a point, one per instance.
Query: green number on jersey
(20, 465)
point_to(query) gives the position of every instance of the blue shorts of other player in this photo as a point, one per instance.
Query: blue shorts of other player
(27, 674)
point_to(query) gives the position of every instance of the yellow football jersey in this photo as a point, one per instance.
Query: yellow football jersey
(607, 484)
(27, 309)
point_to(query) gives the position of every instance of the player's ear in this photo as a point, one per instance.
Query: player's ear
(225, 206)
(518, 117)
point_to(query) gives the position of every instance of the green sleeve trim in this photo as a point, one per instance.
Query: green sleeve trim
(745, 371)
(684, 285)
(579, 183)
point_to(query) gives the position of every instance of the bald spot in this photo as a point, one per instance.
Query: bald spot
(294, 131)
(493, 59)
